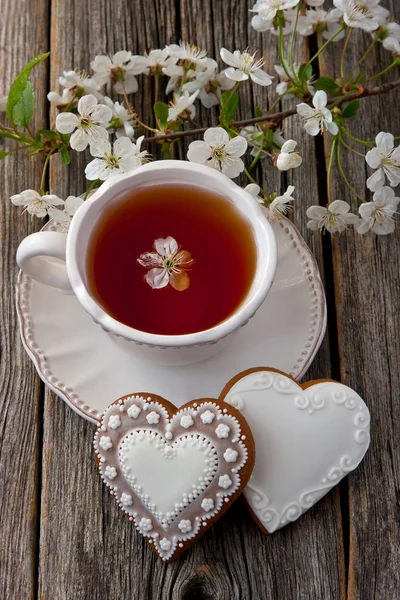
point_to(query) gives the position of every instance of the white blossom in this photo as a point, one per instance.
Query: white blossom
(219, 152)
(121, 120)
(177, 74)
(210, 84)
(279, 207)
(112, 160)
(321, 21)
(392, 44)
(120, 70)
(78, 82)
(154, 61)
(3, 103)
(64, 217)
(182, 106)
(378, 216)
(386, 159)
(185, 51)
(65, 99)
(36, 204)
(362, 14)
(75, 84)
(86, 123)
(319, 118)
(168, 265)
(288, 158)
(266, 12)
(254, 190)
(335, 218)
(243, 65)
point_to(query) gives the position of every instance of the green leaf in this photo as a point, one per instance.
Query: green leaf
(258, 112)
(19, 84)
(53, 135)
(351, 109)
(326, 84)
(65, 157)
(161, 112)
(229, 105)
(3, 154)
(305, 72)
(23, 110)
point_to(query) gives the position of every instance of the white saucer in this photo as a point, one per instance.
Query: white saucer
(77, 360)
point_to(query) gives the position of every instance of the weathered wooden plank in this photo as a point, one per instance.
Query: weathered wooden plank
(367, 286)
(23, 34)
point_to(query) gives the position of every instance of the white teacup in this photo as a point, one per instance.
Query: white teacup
(34, 250)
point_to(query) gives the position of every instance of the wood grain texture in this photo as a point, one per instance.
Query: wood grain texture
(344, 547)
(367, 297)
(23, 34)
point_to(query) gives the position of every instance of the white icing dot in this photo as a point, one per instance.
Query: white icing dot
(230, 455)
(126, 499)
(185, 526)
(207, 417)
(105, 442)
(134, 411)
(168, 435)
(145, 524)
(114, 421)
(222, 431)
(207, 504)
(243, 437)
(224, 482)
(186, 421)
(153, 418)
(165, 544)
(110, 472)
(180, 545)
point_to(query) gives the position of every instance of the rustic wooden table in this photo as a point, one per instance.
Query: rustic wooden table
(61, 534)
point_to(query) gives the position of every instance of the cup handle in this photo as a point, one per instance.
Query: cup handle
(34, 256)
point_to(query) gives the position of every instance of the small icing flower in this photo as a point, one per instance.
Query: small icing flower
(207, 417)
(222, 431)
(105, 442)
(114, 421)
(152, 418)
(110, 472)
(230, 455)
(165, 544)
(207, 504)
(186, 421)
(224, 482)
(145, 524)
(169, 452)
(126, 499)
(134, 411)
(169, 265)
(185, 526)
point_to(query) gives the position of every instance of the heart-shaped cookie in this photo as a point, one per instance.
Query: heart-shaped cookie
(173, 471)
(308, 437)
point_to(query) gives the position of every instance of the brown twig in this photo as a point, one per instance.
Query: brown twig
(280, 116)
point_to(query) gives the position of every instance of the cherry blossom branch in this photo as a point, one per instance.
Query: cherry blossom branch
(280, 116)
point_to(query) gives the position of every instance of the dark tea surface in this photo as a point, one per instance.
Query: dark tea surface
(204, 224)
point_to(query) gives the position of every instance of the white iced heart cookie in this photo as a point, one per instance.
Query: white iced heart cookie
(307, 439)
(173, 471)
